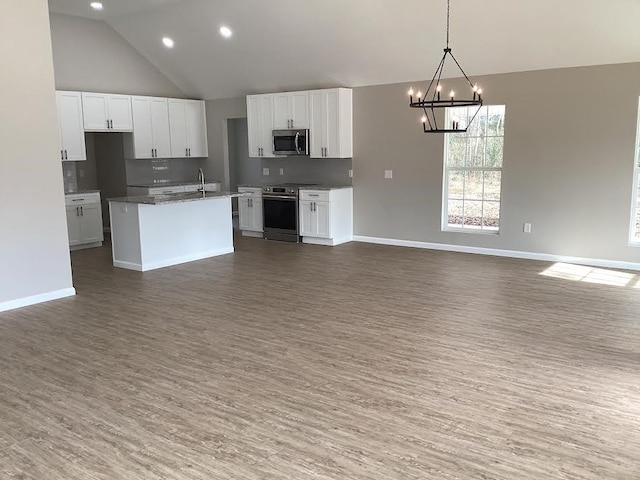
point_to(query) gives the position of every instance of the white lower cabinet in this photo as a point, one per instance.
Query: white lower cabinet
(250, 210)
(168, 190)
(326, 216)
(84, 220)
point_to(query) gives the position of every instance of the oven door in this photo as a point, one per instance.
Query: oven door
(280, 217)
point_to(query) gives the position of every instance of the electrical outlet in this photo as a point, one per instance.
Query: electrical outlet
(350, 173)
(388, 174)
(265, 171)
(527, 228)
(282, 171)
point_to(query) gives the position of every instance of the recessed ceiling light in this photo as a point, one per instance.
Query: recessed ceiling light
(225, 32)
(96, 5)
(167, 42)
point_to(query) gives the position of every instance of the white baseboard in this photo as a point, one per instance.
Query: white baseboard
(145, 267)
(249, 233)
(330, 242)
(34, 299)
(546, 257)
(85, 245)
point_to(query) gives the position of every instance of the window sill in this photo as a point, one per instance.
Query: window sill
(472, 230)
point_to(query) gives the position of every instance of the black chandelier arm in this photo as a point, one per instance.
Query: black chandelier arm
(448, 15)
(465, 75)
(437, 73)
(445, 103)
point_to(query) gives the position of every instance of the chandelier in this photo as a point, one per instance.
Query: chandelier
(434, 98)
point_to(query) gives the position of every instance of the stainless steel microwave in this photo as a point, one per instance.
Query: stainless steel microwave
(291, 142)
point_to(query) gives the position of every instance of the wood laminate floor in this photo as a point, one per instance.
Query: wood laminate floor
(303, 362)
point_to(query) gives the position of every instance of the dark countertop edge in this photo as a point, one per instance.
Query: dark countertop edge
(82, 192)
(308, 187)
(174, 198)
(173, 184)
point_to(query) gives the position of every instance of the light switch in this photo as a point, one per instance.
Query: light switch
(527, 228)
(350, 173)
(282, 171)
(388, 174)
(265, 171)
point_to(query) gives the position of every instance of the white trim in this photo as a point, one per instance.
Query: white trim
(633, 240)
(545, 257)
(329, 242)
(82, 246)
(171, 261)
(34, 299)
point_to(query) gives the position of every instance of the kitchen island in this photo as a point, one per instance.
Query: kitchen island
(155, 231)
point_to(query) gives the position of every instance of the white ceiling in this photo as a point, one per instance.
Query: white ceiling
(281, 45)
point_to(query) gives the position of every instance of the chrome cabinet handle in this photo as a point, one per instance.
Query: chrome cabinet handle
(81, 212)
(77, 211)
(61, 154)
(66, 157)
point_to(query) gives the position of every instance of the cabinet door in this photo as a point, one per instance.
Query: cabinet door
(91, 223)
(254, 121)
(196, 128)
(245, 214)
(332, 124)
(299, 108)
(73, 226)
(119, 110)
(256, 211)
(143, 127)
(318, 127)
(281, 111)
(178, 128)
(95, 110)
(322, 224)
(307, 219)
(266, 135)
(70, 125)
(160, 127)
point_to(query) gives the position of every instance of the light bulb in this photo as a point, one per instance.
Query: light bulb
(475, 87)
(424, 119)
(479, 91)
(419, 94)
(96, 5)
(411, 91)
(168, 42)
(225, 32)
(439, 88)
(452, 93)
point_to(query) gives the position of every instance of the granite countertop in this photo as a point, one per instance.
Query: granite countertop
(82, 192)
(172, 184)
(176, 197)
(301, 187)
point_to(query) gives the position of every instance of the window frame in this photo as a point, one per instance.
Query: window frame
(634, 241)
(445, 227)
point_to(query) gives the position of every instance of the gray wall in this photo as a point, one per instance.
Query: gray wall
(568, 162)
(34, 249)
(91, 56)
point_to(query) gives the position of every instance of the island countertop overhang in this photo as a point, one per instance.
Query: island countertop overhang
(164, 199)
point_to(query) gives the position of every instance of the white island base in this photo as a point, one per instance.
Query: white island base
(145, 237)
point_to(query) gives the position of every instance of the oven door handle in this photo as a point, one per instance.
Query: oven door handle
(279, 197)
(297, 142)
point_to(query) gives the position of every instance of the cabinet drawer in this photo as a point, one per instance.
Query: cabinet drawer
(256, 192)
(317, 195)
(76, 199)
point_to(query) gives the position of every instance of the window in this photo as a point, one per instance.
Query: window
(473, 170)
(634, 232)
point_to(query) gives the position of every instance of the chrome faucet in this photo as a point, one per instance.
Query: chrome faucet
(201, 180)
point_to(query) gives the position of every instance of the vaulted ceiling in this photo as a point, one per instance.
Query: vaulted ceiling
(282, 45)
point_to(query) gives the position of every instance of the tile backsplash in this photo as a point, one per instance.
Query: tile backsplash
(324, 171)
(162, 170)
(70, 177)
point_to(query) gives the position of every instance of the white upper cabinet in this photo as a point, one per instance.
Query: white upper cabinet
(151, 137)
(291, 110)
(331, 128)
(107, 112)
(188, 128)
(72, 143)
(260, 109)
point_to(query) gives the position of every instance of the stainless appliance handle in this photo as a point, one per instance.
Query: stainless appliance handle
(279, 197)
(296, 142)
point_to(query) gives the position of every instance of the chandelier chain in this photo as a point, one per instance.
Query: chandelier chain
(448, 13)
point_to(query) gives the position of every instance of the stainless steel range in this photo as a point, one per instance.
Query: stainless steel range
(280, 212)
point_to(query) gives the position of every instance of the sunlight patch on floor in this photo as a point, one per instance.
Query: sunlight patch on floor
(582, 273)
